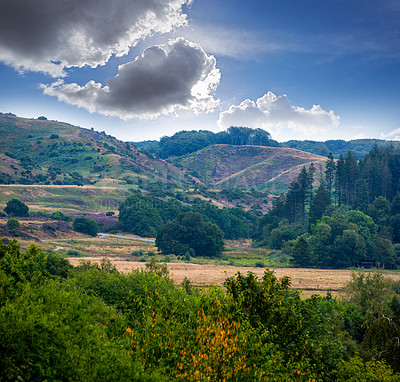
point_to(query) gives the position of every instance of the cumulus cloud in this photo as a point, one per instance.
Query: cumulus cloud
(163, 80)
(48, 35)
(275, 113)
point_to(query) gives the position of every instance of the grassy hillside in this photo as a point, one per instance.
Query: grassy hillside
(337, 147)
(264, 168)
(51, 152)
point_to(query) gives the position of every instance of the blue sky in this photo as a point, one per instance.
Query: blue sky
(143, 69)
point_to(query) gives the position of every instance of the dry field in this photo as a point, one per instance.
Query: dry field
(311, 281)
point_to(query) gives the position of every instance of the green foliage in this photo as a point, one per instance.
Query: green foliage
(48, 333)
(95, 323)
(190, 231)
(301, 329)
(16, 208)
(87, 226)
(356, 370)
(58, 215)
(186, 142)
(301, 253)
(14, 227)
(74, 253)
(146, 215)
(57, 265)
(159, 269)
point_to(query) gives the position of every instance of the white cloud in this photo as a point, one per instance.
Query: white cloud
(275, 113)
(163, 80)
(48, 35)
(392, 135)
(230, 42)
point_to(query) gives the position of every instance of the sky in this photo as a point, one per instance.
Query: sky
(142, 69)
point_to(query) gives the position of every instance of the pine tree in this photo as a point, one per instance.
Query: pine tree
(340, 181)
(301, 255)
(321, 201)
(330, 169)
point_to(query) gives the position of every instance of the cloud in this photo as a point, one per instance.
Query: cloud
(392, 135)
(48, 35)
(163, 80)
(275, 113)
(234, 42)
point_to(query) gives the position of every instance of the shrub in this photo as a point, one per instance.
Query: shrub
(137, 252)
(74, 253)
(16, 208)
(87, 226)
(14, 227)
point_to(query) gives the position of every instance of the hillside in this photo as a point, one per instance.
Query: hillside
(359, 147)
(50, 152)
(264, 168)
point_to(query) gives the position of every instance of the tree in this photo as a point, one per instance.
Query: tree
(13, 226)
(190, 232)
(320, 203)
(16, 208)
(85, 225)
(301, 253)
(330, 168)
(141, 216)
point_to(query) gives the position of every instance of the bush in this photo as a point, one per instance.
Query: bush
(259, 264)
(190, 232)
(58, 215)
(57, 265)
(87, 226)
(14, 227)
(137, 253)
(16, 208)
(74, 253)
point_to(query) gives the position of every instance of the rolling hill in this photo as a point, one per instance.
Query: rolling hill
(45, 163)
(261, 167)
(49, 152)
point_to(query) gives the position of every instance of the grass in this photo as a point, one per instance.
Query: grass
(72, 199)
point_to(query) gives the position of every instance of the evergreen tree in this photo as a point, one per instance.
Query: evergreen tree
(330, 169)
(301, 255)
(340, 181)
(320, 203)
(351, 174)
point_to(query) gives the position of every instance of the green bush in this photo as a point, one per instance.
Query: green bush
(87, 226)
(74, 253)
(48, 333)
(16, 208)
(14, 227)
(137, 253)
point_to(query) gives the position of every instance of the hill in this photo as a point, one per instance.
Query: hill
(50, 152)
(359, 147)
(264, 168)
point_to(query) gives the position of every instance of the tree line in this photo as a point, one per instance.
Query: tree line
(186, 142)
(352, 218)
(196, 229)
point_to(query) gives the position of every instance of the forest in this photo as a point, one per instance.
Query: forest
(352, 219)
(92, 322)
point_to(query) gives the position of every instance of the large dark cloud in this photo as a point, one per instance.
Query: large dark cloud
(162, 80)
(48, 35)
